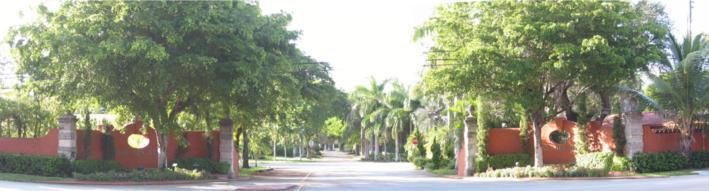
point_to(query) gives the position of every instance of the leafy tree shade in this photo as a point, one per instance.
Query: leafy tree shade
(532, 52)
(154, 58)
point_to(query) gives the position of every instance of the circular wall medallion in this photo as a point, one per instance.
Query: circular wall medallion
(138, 141)
(559, 137)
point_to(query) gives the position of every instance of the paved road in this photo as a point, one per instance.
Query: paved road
(341, 172)
(338, 171)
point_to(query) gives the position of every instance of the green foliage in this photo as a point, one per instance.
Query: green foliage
(508, 160)
(598, 160)
(201, 164)
(35, 165)
(654, 162)
(481, 164)
(334, 127)
(145, 175)
(618, 136)
(699, 160)
(87, 136)
(581, 130)
(481, 110)
(547, 171)
(436, 155)
(93, 166)
(524, 52)
(620, 163)
(23, 117)
(107, 145)
(419, 162)
(523, 128)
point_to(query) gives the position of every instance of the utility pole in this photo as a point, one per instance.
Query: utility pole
(689, 26)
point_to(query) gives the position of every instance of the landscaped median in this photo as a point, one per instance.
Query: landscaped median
(606, 165)
(28, 168)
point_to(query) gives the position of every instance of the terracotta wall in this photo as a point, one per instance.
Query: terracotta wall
(147, 157)
(44, 146)
(669, 141)
(95, 146)
(558, 153)
(600, 138)
(504, 141)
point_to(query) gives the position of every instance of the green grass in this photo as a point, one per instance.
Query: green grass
(441, 171)
(683, 172)
(248, 172)
(27, 178)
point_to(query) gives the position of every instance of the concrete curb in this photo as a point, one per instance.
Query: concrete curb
(268, 187)
(563, 178)
(172, 182)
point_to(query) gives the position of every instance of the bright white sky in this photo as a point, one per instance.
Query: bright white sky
(363, 38)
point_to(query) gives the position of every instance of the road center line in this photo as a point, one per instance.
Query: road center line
(302, 182)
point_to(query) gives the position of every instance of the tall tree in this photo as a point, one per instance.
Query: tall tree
(531, 52)
(682, 86)
(155, 58)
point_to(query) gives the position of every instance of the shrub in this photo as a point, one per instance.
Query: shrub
(653, 162)
(620, 164)
(481, 164)
(508, 160)
(547, 171)
(201, 164)
(436, 155)
(419, 162)
(92, 166)
(699, 160)
(221, 167)
(35, 165)
(618, 136)
(145, 175)
(598, 160)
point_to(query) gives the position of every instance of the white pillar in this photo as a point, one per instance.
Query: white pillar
(67, 136)
(227, 151)
(633, 127)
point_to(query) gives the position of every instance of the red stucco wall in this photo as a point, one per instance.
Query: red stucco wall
(44, 146)
(503, 141)
(659, 142)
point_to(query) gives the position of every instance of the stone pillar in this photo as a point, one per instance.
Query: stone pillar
(469, 147)
(227, 152)
(633, 127)
(67, 136)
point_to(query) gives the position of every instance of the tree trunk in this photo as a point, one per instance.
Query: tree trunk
(162, 149)
(362, 142)
(396, 149)
(285, 149)
(605, 104)
(274, 149)
(687, 137)
(245, 157)
(376, 147)
(538, 122)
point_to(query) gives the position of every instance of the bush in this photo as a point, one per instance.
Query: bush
(35, 165)
(598, 160)
(92, 166)
(419, 162)
(481, 164)
(202, 164)
(547, 171)
(436, 155)
(508, 160)
(654, 162)
(145, 175)
(620, 164)
(699, 160)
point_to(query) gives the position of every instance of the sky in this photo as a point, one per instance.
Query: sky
(364, 38)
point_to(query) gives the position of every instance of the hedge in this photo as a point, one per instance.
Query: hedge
(508, 160)
(699, 160)
(202, 164)
(145, 175)
(598, 160)
(654, 162)
(92, 166)
(35, 165)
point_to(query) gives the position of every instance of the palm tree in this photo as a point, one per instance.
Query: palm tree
(682, 85)
(365, 103)
(399, 112)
